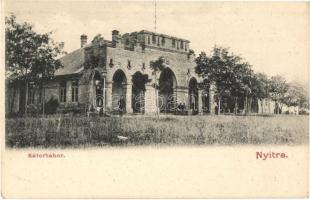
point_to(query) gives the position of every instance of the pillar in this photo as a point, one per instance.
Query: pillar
(128, 88)
(92, 92)
(69, 91)
(182, 95)
(200, 105)
(211, 99)
(108, 96)
(150, 99)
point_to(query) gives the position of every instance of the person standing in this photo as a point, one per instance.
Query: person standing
(121, 105)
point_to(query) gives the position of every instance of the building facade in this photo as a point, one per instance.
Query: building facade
(103, 74)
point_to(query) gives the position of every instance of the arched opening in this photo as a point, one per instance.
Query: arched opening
(167, 91)
(193, 96)
(119, 90)
(206, 101)
(138, 92)
(99, 84)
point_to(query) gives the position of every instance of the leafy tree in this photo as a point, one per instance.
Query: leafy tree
(278, 89)
(227, 71)
(235, 79)
(191, 52)
(98, 39)
(30, 56)
(157, 66)
(259, 86)
(296, 95)
(242, 81)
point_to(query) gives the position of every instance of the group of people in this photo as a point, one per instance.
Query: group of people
(121, 106)
(181, 108)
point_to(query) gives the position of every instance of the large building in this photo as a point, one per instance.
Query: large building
(103, 74)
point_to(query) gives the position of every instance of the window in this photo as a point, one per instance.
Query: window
(75, 91)
(148, 39)
(111, 62)
(129, 64)
(173, 43)
(185, 46)
(163, 41)
(63, 92)
(177, 44)
(181, 45)
(153, 39)
(158, 39)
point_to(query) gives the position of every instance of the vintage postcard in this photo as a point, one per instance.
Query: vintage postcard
(155, 99)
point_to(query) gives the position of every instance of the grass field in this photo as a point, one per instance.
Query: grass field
(167, 130)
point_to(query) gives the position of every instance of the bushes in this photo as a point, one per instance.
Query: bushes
(175, 130)
(72, 107)
(303, 112)
(51, 106)
(33, 110)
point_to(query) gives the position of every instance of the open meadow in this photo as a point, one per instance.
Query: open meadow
(62, 131)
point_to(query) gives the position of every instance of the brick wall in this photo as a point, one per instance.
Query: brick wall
(131, 62)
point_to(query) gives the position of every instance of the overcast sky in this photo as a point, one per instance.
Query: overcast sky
(273, 37)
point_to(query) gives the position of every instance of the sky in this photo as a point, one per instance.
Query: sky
(273, 37)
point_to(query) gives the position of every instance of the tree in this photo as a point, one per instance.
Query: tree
(157, 66)
(260, 87)
(242, 81)
(227, 71)
(30, 56)
(296, 95)
(278, 89)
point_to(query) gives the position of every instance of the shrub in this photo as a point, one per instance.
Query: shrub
(303, 112)
(51, 106)
(33, 110)
(73, 108)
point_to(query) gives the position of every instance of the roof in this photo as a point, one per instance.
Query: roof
(72, 63)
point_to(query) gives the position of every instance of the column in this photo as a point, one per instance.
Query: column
(200, 105)
(211, 99)
(92, 92)
(69, 91)
(108, 96)
(182, 96)
(150, 99)
(128, 88)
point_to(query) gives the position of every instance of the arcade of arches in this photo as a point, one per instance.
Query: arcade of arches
(138, 94)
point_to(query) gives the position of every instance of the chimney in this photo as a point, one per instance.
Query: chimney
(83, 40)
(115, 36)
(115, 32)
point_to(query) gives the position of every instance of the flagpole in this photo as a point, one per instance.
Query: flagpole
(155, 16)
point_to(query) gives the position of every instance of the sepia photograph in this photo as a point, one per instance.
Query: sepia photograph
(143, 80)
